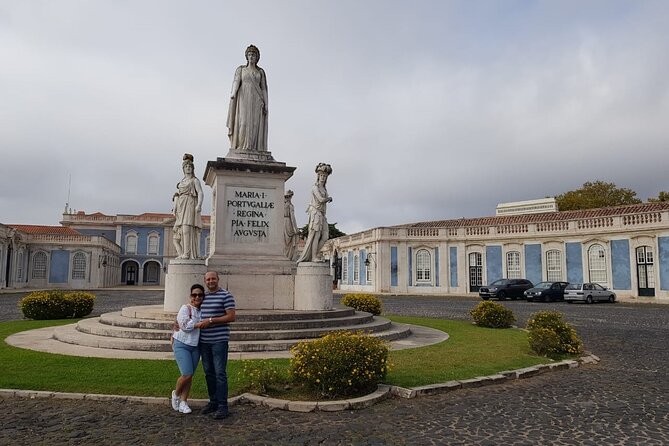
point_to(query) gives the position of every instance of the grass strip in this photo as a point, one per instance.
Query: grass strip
(470, 351)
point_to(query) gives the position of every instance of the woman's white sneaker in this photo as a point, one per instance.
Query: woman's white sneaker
(175, 400)
(183, 407)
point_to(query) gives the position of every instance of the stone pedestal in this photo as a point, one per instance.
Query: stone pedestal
(247, 245)
(313, 286)
(181, 275)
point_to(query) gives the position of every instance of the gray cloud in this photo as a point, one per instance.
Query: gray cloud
(426, 110)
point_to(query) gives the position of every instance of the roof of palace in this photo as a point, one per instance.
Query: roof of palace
(82, 217)
(40, 229)
(540, 218)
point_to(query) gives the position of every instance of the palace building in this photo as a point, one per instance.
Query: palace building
(625, 248)
(90, 251)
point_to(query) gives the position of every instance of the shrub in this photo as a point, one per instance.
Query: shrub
(56, 304)
(492, 315)
(340, 364)
(261, 375)
(363, 302)
(81, 303)
(551, 336)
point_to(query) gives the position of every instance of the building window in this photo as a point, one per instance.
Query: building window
(79, 266)
(423, 266)
(154, 242)
(645, 267)
(344, 268)
(597, 264)
(513, 265)
(131, 243)
(475, 271)
(356, 268)
(368, 272)
(39, 265)
(19, 267)
(207, 247)
(553, 265)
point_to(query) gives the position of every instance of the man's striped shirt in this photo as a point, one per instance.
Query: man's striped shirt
(215, 304)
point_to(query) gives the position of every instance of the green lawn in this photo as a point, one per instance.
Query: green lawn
(470, 351)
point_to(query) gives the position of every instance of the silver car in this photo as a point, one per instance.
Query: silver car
(588, 292)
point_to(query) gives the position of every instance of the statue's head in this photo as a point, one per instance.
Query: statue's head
(188, 161)
(252, 49)
(322, 172)
(289, 194)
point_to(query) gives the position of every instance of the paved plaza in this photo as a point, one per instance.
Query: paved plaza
(621, 401)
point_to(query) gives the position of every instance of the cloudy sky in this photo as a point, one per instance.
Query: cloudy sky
(425, 109)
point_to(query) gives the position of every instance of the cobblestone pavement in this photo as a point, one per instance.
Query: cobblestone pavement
(621, 401)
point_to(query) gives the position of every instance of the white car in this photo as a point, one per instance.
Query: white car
(588, 292)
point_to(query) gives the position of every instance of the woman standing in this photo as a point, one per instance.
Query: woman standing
(187, 211)
(185, 347)
(247, 113)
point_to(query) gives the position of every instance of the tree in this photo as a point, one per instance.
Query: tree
(598, 194)
(662, 196)
(333, 232)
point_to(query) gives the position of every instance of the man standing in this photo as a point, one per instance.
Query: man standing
(217, 310)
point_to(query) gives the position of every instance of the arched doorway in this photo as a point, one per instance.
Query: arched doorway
(151, 274)
(129, 272)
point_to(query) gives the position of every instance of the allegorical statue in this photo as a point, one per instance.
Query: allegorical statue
(188, 212)
(318, 223)
(290, 230)
(247, 113)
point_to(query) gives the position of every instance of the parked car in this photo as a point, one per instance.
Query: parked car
(503, 288)
(546, 292)
(588, 292)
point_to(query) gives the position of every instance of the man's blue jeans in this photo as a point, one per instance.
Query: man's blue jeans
(214, 363)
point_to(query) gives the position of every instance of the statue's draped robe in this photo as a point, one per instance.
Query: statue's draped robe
(247, 123)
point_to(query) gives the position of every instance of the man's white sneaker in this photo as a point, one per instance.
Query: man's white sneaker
(183, 407)
(175, 400)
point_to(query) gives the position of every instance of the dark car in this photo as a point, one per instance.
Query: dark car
(503, 288)
(546, 292)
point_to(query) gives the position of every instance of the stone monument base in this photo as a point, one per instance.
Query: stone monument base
(257, 284)
(313, 286)
(181, 275)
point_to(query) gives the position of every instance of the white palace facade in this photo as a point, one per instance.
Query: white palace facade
(625, 248)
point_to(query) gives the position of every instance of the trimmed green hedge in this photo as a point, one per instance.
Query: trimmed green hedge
(363, 302)
(56, 304)
(492, 315)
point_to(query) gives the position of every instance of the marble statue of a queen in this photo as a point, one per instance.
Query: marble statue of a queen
(247, 113)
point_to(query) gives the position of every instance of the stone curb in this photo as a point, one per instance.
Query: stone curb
(479, 381)
(383, 391)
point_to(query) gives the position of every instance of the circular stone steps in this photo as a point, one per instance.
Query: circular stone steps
(148, 328)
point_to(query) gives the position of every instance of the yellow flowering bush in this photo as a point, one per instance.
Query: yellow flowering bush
(260, 375)
(551, 336)
(492, 315)
(56, 304)
(363, 302)
(340, 364)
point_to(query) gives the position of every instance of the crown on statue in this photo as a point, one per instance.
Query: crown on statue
(188, 159)
(324, 168)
